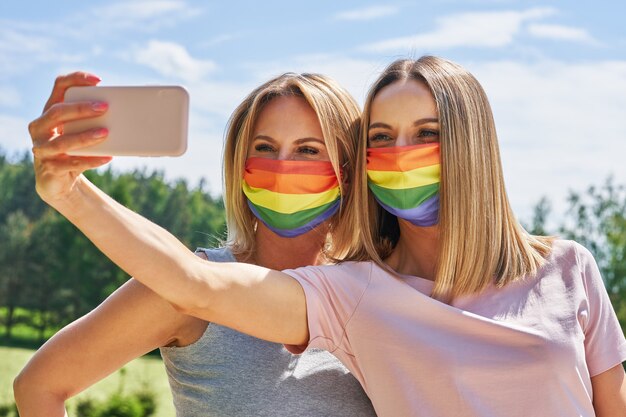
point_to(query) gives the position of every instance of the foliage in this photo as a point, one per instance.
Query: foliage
(15, 235)
(138, 404)
(148, 402)
(596, 219)
(121, 406)
(142, 404)
(86, 408)
(141, 374)
(49, 269)
(8, 410)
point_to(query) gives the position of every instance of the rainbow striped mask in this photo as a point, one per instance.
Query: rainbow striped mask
(405, 181)
(291, 197)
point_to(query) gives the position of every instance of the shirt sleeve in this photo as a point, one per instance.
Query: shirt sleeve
(332, 295)
(605, 345)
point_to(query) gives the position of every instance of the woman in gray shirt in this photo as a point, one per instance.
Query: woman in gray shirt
(287, 144)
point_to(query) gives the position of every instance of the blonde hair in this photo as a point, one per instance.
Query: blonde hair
(480, 242)
(339, 117)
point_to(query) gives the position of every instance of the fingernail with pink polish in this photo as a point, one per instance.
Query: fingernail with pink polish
(92, 78)
(100, 133)
(99, 106)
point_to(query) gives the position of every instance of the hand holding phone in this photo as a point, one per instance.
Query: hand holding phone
(142, 120)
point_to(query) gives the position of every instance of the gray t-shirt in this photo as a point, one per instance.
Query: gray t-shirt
(229, 374)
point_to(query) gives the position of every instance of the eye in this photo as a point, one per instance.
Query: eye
(263, 147)
(379, 138)
(308, 150)
(428, 135)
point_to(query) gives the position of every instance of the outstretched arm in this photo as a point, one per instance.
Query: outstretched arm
(261, 302)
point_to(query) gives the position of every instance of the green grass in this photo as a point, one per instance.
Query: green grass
(140, 372)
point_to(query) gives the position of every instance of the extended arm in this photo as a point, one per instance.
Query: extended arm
(255, 300)
(131, 322)
(251, 299)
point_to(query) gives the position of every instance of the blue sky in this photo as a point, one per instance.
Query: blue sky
(555, 71)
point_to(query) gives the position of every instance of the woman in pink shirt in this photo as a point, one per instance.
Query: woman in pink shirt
(459, 313)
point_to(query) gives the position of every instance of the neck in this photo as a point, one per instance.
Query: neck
(416, 252)
(276, 252)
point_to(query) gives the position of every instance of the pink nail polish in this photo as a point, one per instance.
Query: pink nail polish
(92, 78)
(99, 106)
(100, 133)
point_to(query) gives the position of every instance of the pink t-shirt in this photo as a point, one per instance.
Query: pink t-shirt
(529, 349)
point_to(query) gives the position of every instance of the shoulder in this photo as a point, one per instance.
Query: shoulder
(223, 254)
(566, 253)
(345, 272)
(575, 265)
(343, 283)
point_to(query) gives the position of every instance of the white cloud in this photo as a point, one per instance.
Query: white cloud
(477, 29)
(22, 48)
(367, 13)
(173, 60)
(144, 14)
(141, 10)
(24, 44)
(15, 41)
(219, 39)
(118, 18)
(561, 33)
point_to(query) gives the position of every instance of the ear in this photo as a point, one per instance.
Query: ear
(344, 173)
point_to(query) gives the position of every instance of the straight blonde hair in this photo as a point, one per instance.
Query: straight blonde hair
(480, 241)
(339, 117)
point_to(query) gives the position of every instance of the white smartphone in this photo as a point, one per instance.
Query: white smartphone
(142, 120)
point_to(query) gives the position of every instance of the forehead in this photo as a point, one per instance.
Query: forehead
(288, 117)
(404, 98)
(283, 106)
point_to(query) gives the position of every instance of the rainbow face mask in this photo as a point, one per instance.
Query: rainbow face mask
(291, 197)
(405, 181)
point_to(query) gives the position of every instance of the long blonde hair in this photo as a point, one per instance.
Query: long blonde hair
(339, 117)
(481, 242)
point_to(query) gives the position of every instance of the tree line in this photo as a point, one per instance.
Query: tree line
(50, 274)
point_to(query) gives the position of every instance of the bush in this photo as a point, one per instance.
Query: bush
(86, 408)
(140, 404)
(121, 406)
(148, 402)
(9, 410)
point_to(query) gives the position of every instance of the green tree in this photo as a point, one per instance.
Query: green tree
(15, 262)
(17, 188)
(50, 269)
(596, 218)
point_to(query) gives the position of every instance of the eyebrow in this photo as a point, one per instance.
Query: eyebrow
(264, 137)
(415, 123)
(309, 139)
(297, 141)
